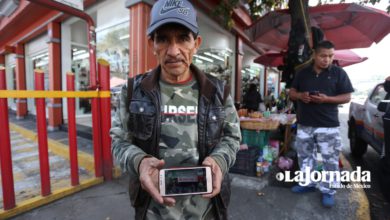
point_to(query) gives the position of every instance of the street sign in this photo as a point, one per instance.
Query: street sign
(77, 4)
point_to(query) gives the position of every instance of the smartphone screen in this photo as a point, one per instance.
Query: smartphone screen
(185, 181)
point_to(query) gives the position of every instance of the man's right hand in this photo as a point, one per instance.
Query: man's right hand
(149, 169)
(304, 97)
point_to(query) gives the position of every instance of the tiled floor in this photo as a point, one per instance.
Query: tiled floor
(26, 172)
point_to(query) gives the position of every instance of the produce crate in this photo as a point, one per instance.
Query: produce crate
(255, 138)
(246, 162)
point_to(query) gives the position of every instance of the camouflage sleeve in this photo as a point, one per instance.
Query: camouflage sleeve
(225, 151)
(126, 154)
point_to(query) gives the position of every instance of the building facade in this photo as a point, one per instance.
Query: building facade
(33, 36)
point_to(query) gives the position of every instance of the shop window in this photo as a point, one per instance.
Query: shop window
(10, 65)
(216, 62)
(251, 74)
(41, 61)
(272, 83)
(113, 46)
(80, 67)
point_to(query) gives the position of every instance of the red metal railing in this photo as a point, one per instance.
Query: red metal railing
(7, 178)
(94, 83)
(104, 78)
(101, 123)
(42, 135)
(102, 156)
(74, 170)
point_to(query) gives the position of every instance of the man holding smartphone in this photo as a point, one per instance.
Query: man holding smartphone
(318, 89)
(175, 116)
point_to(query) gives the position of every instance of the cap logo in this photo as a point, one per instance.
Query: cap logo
(171, 5)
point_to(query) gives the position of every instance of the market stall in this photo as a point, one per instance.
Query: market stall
(258, 152)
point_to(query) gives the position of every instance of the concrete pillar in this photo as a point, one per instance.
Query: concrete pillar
(21, 104)
(141, 57)
(54, 45)
(238, 57)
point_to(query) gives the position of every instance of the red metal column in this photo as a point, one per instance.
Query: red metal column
(21, 104)
(55, 105)
(239, 56)
(97, 138)
(104, 79)
(141, 57)
(42, 135)
(7, 177)
(265, 81)
(2, 60)
(74, 169)
(94, 84)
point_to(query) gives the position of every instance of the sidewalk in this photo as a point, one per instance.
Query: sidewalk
(252, 198)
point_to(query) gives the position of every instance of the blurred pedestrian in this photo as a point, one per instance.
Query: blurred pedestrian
(252, 98)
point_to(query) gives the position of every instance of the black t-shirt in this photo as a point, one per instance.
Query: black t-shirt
(332, 81)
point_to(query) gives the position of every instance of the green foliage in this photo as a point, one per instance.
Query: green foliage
(224, 11)
(259, 7)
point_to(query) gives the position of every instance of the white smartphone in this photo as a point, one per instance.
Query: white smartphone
(185, 181)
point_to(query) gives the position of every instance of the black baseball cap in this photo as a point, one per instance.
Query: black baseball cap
(173, 11)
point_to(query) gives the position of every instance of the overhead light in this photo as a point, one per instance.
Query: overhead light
(124, 37)
(215, 56)
(198, 61)
(40, 56)
(203, 58)
(81, 56)
(79, 52)
(41, 63)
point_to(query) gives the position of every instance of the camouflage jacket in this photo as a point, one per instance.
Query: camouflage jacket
(135, 132)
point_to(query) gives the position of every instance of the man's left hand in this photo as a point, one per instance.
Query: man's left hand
(320, 98)
(216, 176)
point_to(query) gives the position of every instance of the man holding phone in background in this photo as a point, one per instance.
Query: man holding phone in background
(318, 89)
(175, 116)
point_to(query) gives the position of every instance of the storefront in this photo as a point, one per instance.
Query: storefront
(10, 64)
(120, 34)
(251, 73)
(273, 82)
(216, 53)
(112, 35)
(36, 57)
